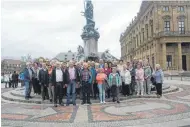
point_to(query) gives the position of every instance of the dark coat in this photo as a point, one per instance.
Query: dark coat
(43, 77)
(53, 77)
(67, 76)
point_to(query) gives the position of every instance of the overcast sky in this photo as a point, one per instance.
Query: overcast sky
(46, 28)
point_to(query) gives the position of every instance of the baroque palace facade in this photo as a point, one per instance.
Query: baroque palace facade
(160, 33)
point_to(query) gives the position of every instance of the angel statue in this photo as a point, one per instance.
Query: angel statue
(80, 53)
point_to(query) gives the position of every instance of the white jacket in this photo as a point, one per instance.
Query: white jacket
(127, 77)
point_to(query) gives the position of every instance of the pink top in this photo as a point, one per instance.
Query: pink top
(72, 73)
(139, 74)
(107, 71)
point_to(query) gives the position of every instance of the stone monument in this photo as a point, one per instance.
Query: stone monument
(90, 35)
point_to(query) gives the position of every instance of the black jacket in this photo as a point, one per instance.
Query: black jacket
(15, 77)
(67, 76)
(53, 76)
(43, 77)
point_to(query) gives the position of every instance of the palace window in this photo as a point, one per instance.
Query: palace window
(169, 60)
(180, 9)
(181, 27)
(166, 26)
(165, 8)
(147, 31)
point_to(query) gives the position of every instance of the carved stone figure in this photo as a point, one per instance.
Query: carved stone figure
(80, 53)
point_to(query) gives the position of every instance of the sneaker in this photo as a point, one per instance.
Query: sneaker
(101, 102)
(55, 105)
(104, 102)
(118, 102)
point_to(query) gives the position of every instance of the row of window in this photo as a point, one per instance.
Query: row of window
(181, 26)
(180, 8)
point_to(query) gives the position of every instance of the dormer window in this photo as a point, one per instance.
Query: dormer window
(165, 8)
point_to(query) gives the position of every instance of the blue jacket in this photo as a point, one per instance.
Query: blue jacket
(26, 76)
(21, 76)
(93, 73)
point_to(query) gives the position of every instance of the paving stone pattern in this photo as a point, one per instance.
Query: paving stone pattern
(173, 109)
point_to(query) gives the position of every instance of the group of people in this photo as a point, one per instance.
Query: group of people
(55, 80)
(11, 79)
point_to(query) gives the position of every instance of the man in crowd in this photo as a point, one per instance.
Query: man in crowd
(27, 80)
(14, 80)
(43, 81)
(72, 79)
(86, 84)
(58, 79)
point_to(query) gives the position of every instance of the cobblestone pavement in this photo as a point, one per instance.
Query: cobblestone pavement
(173, 109)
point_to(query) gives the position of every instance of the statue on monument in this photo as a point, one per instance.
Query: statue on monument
(80, 53)
(89, 30)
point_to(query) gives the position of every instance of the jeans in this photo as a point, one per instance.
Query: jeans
(140, 87)
(71, 86)
(51, 91)
(147, 84)
(26, 89)
(101, 92)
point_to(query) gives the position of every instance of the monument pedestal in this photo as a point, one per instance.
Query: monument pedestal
(90, 48)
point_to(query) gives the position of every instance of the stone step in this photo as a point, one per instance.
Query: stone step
(10, 97)
(20, 92)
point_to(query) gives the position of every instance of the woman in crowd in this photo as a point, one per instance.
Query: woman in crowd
(115, 83)
(107, 71)
(139, 79)
(127, 81)
(147, 77)
(101, 77)
(159, 78)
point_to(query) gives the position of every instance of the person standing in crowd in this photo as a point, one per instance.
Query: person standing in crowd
(50, 87)
(101, 63)
(78, 88)
(147, 77)
(139, 79)
(159, 79)
(101, 77)
(10, 80)
(35, 79)
(107, 71)
(6, 79)
(127, 81)
(64, 68)
(27, 80)
(58, 79)
(115, 83)
(43, 81)
(94, 84)
(72, 79)
(14, 79)
(86, 80)
(132, 69)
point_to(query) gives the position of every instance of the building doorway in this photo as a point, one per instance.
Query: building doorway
(184, 63)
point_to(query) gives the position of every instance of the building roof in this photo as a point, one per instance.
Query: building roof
(11, 61)
(69, 55)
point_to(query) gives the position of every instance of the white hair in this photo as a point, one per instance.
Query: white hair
(157, 65)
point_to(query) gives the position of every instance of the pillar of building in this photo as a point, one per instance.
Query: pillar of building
(179, 57)
(164, 56)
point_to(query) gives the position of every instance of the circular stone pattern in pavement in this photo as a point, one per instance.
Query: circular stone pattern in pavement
(137, 109)
(38, 113)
